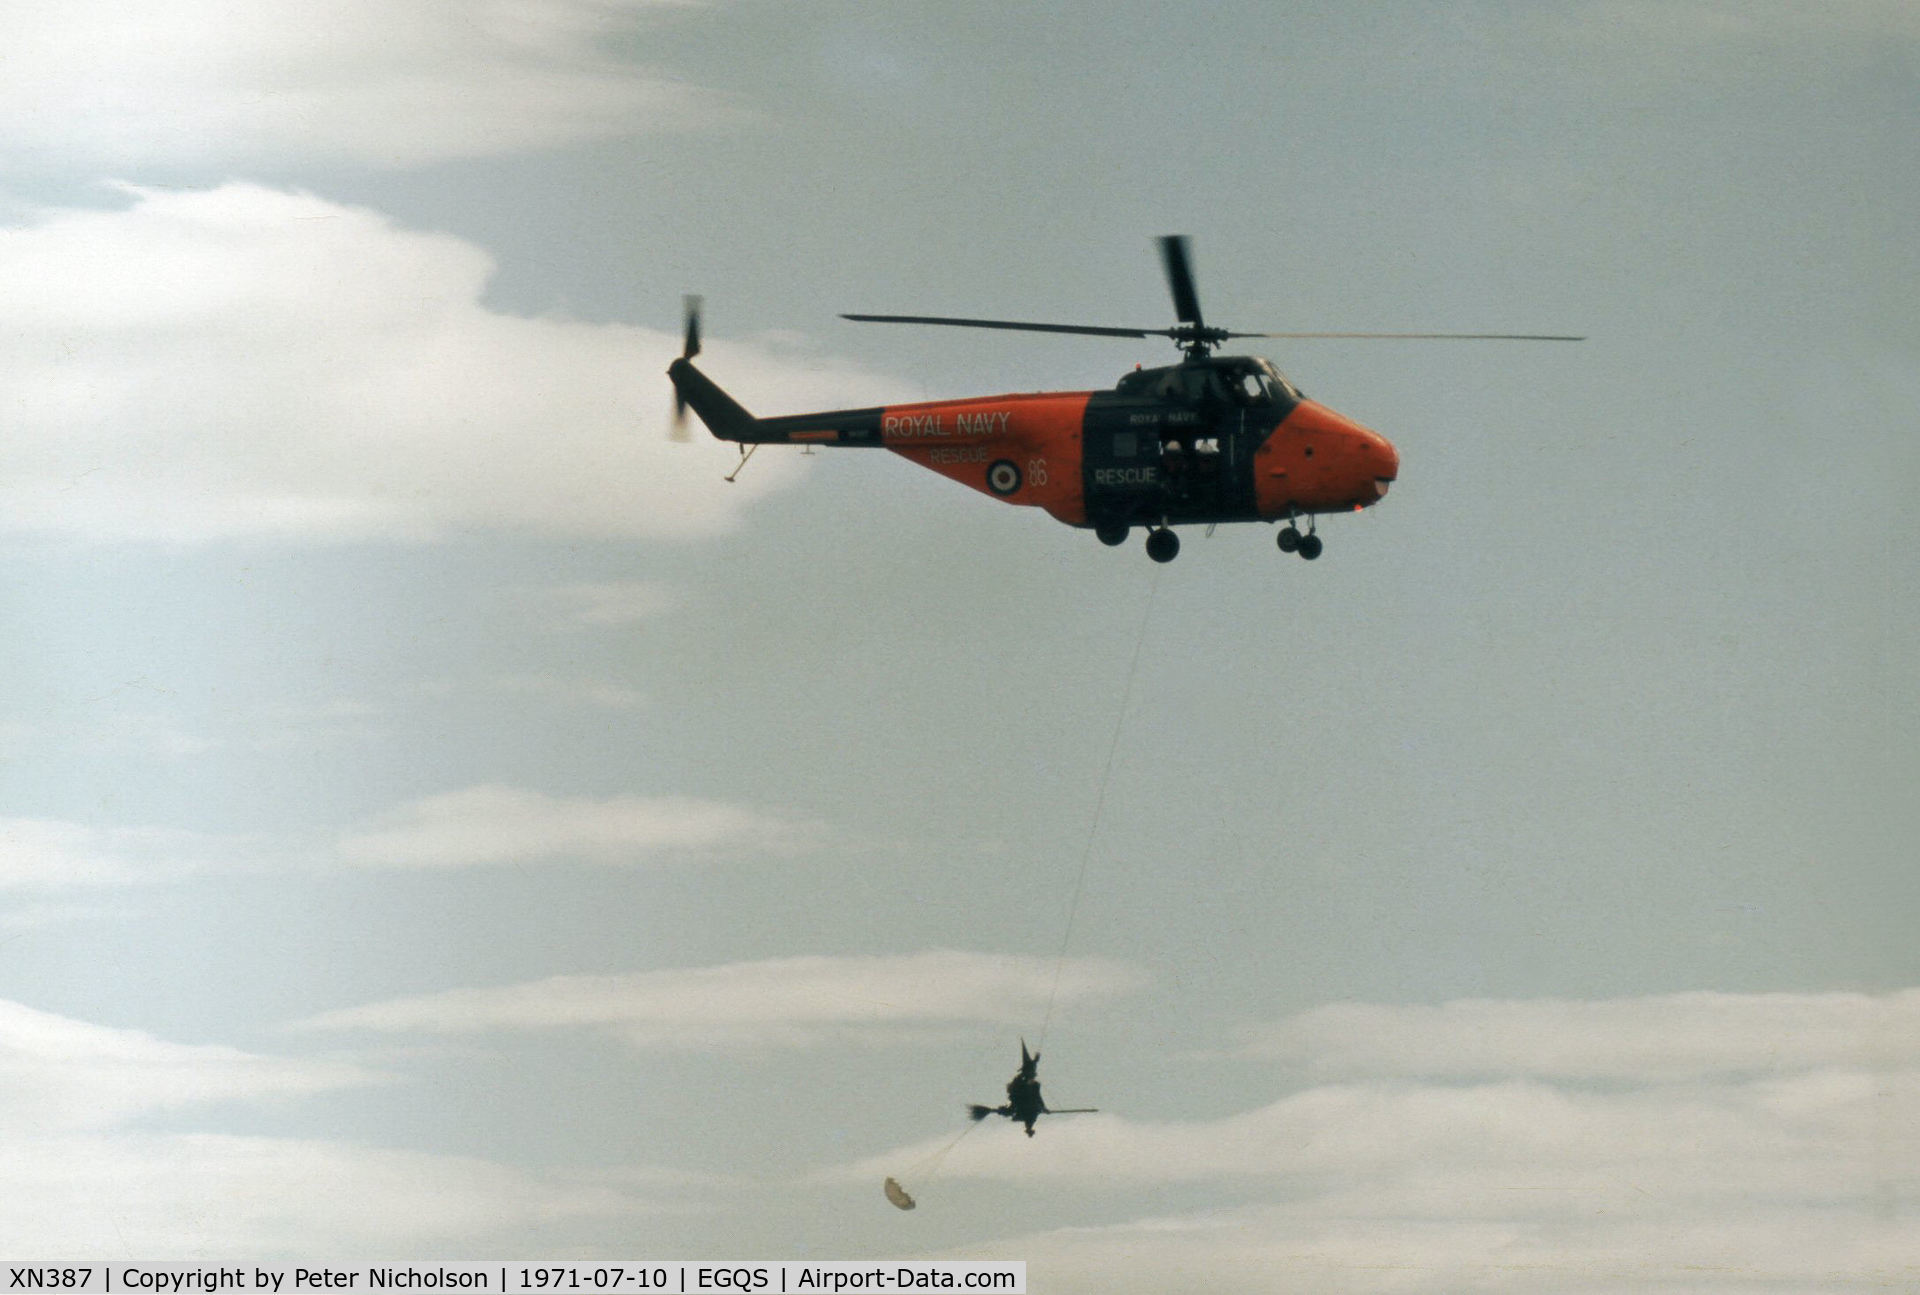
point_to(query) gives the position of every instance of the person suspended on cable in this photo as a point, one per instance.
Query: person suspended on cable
(1024, 1103)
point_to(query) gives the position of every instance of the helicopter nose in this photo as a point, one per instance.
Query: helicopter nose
(1384, 462)
(1321, 460)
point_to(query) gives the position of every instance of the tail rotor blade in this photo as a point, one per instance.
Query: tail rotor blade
(677, 429)
(691, 304)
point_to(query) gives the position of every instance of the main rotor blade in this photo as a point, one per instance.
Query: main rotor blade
(1428, 337)
(1186, 299)
(1088, 330)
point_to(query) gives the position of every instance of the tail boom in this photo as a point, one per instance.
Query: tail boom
(729, 420)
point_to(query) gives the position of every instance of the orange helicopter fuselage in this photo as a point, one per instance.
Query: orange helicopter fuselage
(1216, 439)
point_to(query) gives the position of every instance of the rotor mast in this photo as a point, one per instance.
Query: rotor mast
(1192, 334)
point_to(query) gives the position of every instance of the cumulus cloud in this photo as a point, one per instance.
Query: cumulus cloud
(1461, 1148)
(472, 827)
(244, 361)
(493, 825)
(194, 82)
(776, 1002)
(1619, 1243)
(59, 1074)
(1699, 27)
(194, 1195)
(604, 694)
(1716, 1150)
(607, 603)
(1670, 1036)
(44, 854)
(76, 1178)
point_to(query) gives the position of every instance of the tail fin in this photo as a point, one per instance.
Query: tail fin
(723, 415)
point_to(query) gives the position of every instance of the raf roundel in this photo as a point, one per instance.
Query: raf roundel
(1003, 476)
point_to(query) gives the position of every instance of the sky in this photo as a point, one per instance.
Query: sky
(441, 818)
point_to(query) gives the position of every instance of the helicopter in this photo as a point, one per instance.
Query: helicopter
(1024, 1104)
(1212, 439)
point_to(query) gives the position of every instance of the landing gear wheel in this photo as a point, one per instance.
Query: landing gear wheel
(1310, 547)
(1113, 534)
(1288, 539)
(1163, 545)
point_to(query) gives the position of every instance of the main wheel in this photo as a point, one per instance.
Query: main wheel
(1163, 545)
(1113, 534)
(1310, 547)
(1288, 539)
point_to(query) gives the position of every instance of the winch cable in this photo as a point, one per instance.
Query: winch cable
(1099, 802)
(932, 1161)
(895, 1188)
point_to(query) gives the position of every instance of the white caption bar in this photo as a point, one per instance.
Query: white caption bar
(625, 1277)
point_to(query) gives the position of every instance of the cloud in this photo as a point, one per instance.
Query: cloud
(246, 362)
(1459, 1148)
(1704, 26)
(612, 602)
(75, 1179)
(192, 82)
(1738, 1142)
(44, 854)
(493, 825)
(1618, 1243)
(35, 916)
(194, 1195)
(557, 690)
(603, 694)
(58, 1074)
(473, 827)
(1668, 1037)
(778, 1002)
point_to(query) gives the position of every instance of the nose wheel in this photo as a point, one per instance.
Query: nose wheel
(1291, 540)
(1162, 544)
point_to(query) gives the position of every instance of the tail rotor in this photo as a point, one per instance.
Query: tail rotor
(689, 349)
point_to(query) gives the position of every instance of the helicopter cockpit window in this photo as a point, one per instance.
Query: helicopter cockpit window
(1253, 387)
